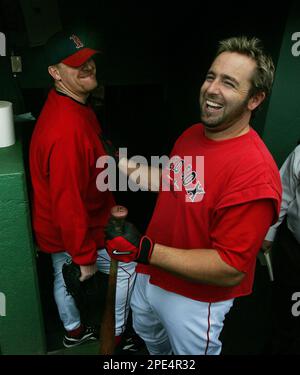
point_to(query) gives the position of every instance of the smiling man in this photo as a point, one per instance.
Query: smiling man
(69, 212)
(226, 98)
(198, 255)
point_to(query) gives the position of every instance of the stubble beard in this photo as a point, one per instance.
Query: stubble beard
(225, 119)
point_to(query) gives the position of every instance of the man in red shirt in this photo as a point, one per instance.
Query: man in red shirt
(69, 212)
(200, 248)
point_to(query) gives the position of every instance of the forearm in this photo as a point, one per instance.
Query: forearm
(148, 178)
(198, 265)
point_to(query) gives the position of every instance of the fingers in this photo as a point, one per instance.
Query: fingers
(87, 271)
(85, 277)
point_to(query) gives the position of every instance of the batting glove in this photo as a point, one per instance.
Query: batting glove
(129, 245)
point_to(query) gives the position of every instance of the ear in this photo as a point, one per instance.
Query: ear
(54, 72)
(256, 100)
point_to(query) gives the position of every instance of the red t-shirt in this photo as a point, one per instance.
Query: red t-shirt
(69, 212)
(228, 200)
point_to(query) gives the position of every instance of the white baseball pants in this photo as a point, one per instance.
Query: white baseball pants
(67, 309)
(173, 324)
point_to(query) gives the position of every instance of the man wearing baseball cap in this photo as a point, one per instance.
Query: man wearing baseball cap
(68, 48)
(69, 212)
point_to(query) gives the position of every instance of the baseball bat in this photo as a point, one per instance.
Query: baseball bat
(107, 329)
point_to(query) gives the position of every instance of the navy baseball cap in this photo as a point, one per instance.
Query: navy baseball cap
(68, 48)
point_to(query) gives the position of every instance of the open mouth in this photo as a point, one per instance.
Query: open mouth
(212, 106)
(88, 76)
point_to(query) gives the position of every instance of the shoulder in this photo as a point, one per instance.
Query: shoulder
(255, 175)
(294, 156)
(291, 165)
(256, 154)
(192, 131)
(66, 117)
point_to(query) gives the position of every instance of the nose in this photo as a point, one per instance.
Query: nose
(213, 87)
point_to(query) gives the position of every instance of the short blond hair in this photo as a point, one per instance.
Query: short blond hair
(263, 76)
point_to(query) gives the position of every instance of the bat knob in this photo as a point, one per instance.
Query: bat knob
(119, 212)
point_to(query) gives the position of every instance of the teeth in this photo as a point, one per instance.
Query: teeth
(214, 105)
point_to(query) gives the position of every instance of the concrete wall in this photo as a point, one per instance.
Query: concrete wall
(21, 327)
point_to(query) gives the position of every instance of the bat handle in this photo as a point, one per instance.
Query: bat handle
(118, 216)
(107, 330)
(118, 224)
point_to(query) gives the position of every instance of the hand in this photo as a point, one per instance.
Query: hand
(266, 246)
(127, 166)
(87, 271)
(149, 177)
(128, 245)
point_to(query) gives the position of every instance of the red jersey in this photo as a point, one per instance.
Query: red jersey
(69, 212)
(226, 202)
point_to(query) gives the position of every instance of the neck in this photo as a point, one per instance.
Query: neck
(221, 133)
(82, 98)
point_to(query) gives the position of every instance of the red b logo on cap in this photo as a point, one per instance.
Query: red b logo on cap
(78, 43)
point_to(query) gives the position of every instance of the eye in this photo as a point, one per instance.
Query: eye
(229, 84)
(209, 78)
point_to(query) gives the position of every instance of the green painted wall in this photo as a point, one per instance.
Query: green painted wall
(21, 328)
(282, 127)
